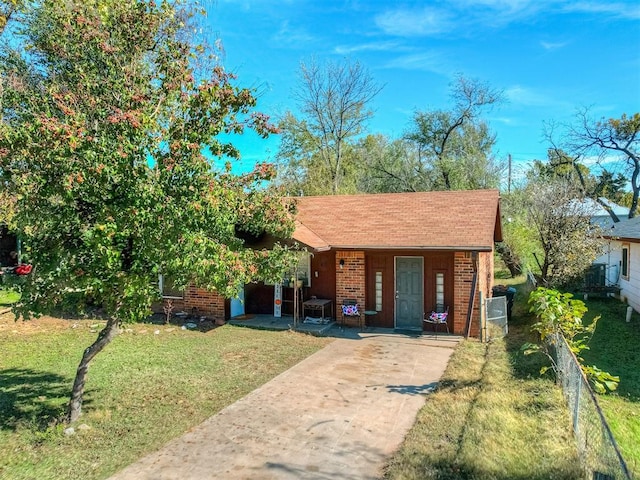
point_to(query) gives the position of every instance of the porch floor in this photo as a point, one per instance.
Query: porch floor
(269, 322)
(332, 329)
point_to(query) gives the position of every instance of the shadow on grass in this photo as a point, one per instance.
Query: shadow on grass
(614, 345)
(523, 366)
(32, 398)
(193, 322)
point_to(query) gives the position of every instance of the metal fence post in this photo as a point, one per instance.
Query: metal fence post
(576, 407)
(597, 447)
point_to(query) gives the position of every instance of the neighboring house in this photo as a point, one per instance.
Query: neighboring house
(621, 260)
(600, 216)
(396, 254)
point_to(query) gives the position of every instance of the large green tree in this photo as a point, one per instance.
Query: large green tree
(104, 124)
(558, 224)
(448, 149)
(316, 149)
(613, 144)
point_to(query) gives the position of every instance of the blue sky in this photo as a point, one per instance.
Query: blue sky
(550, 57)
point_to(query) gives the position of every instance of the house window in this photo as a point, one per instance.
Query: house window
(167, 288)
(625, 261)
(378, 291)
(302, 269)
(439, 288)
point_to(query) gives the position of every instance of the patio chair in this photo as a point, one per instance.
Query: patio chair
(350, 310)
(438, 317)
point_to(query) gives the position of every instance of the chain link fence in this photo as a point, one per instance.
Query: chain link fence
(597, 448)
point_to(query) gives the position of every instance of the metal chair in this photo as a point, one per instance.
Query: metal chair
(438, 317)
(350, 310)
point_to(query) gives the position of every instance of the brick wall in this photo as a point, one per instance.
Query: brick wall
(485, 274)
(463, 277)
(350, 279)
(206, 303)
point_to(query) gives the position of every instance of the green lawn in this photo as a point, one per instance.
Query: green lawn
(615, 347)
(144, 389)
(493, 417)
(8, 297)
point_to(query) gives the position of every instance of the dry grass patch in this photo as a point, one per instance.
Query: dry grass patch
(490, 419)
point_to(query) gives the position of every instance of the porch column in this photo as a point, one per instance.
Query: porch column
(350, 278)
(463, 275)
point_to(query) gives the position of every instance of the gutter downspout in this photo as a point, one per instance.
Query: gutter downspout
(472, 293)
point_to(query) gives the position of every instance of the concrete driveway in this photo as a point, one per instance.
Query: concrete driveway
(340, 413)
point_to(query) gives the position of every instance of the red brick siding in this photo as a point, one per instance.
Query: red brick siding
(463, 278)
(485, 274)
(350, 279)
(200, 301)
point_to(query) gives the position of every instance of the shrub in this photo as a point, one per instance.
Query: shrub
(560, 313)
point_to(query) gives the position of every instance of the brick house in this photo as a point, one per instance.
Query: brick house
(397, 254)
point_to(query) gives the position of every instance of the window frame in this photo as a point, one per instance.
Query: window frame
(625, 261)
(378, 286)
(443, 293)
(168, 296)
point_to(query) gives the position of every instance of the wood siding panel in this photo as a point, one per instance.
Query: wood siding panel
(259, 297)
(324, 285)
(385, 262)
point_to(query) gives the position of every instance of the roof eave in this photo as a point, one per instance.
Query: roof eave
(622, 238)
(462, 248)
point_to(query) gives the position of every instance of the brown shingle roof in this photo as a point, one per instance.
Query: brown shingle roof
(460, 220)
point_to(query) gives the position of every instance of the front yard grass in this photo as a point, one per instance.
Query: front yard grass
(8, 297)
(614, 348)
(151, 384)
(492, 417)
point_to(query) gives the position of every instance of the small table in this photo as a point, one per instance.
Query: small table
(318, 304)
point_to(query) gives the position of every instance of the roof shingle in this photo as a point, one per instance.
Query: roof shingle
(460, 220)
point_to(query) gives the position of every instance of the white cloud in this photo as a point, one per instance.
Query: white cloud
(429, 62)
(616, 9)
(369, 47)
(411, 23)
(519, 95)
(464, 16)
(503, 120)
(553, 45)
(292, 36)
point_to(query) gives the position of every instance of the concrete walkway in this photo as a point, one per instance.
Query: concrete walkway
(340, 413)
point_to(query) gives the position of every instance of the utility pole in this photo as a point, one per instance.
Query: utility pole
(509, 176)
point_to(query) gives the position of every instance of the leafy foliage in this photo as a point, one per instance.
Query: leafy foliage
(560, 313)
(614, 144)
(448, 149)
(559, 219)
(105, 122)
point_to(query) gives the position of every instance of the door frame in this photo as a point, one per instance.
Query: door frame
(395, 285)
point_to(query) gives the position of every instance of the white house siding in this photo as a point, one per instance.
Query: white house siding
(630, 286)
(612, 258)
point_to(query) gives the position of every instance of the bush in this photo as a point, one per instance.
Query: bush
(560, 313)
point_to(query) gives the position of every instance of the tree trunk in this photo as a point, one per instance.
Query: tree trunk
(74, 408)
(635, 188)
(509, 258)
